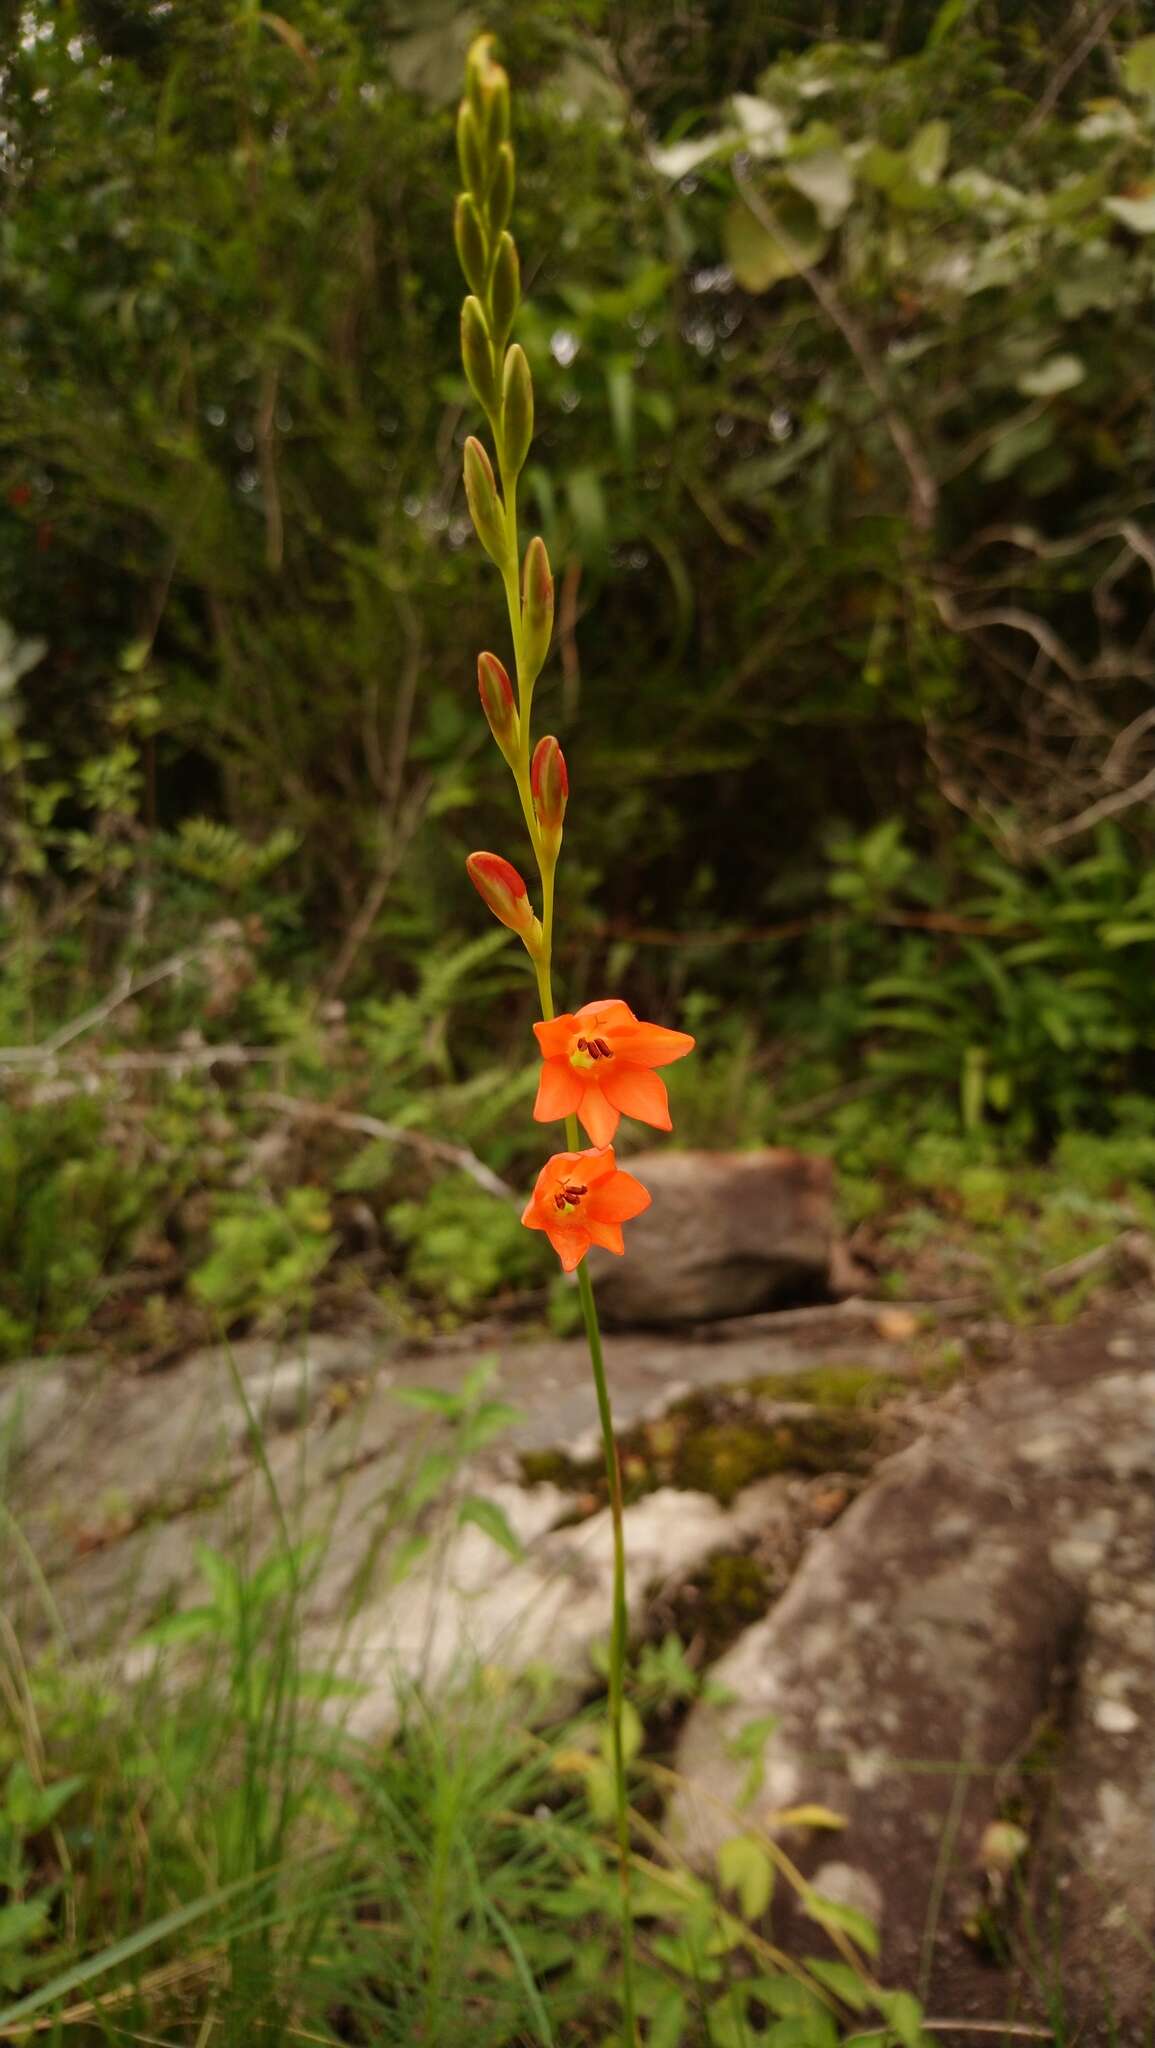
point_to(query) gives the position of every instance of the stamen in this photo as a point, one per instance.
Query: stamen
(569, 1197)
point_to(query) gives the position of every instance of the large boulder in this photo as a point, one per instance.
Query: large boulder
(729, 1233)
(969, 1653)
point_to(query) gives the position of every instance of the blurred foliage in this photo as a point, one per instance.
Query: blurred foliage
(839, 321)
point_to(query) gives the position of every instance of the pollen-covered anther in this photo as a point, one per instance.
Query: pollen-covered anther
(569, 1197)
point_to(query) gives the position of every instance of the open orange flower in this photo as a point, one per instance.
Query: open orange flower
(599, 1065)
(583, 1198)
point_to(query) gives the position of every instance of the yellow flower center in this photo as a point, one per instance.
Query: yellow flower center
(588, 1051)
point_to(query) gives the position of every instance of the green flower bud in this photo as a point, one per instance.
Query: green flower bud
(477, 355)
(500, 203)
(469, 151)
(536, 606)
(516, 411)
(469, 236)
(497, 110)
(485, 507)
(504, 288)
(479, 65)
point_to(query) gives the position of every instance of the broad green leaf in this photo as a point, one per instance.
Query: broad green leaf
(746, 1869)
(1136, 214)
(825, 178)
(22, 1922)
(1138, 66)
(492, 1521)
(1052, 376)
(904, 2012)
(765, 131)
(761, 253)
(929, 151)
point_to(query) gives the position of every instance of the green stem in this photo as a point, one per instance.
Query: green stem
(618, 1635)
(543, 970)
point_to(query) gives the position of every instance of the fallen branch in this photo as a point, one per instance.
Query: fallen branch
(395, 1134)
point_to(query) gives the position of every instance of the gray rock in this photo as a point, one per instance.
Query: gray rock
(993, 1575)
(729, 1233)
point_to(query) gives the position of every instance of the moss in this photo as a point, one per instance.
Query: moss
(555, 1468)
(721, 1455)
(713, 1607)
(835, 1386)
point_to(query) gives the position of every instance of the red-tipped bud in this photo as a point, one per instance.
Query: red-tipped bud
(501, 888)
(536, 606)
(496, 693)
(550, 784)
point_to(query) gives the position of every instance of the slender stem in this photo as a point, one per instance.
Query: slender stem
(543, 970)
(618, 1635)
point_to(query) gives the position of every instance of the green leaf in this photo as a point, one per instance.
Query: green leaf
(492, 1521)
(761, 253)
(668, 2020)
(929, 151)
(1136, 214)
(825, 178)
(1138, 66)
(22, 1922)
(745, 1868)
(904, 2012)
(1019, 440)
(845, 1982)
(27, 1806)
(844, 1919)
(1052, 376)
(949, 15)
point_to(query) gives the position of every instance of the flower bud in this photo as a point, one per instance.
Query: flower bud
(469, 236)
(485, 508)
(536, 606)
(479, 67)
(550, 784)
(500, 202)
(477, 354)
(469, 151)
(496, 693)
(502, 890)
(516, 411)
(504, 288)
(497, 110)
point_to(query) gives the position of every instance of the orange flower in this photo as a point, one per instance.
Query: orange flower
(583, 1198)
(600, 1065)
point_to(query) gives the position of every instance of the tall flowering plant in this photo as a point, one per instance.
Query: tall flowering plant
(600, 1062)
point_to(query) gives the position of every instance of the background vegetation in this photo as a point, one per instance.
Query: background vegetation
(840, 321)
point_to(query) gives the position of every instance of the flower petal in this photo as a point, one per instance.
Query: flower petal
(559, 1090)
(556, 1036)
(608, 1235)
(530, 1217)
(651, 1045)
(617, 1199)
(571, 1243)
(599, 1116)
(637, 1092)
(607, 1014)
